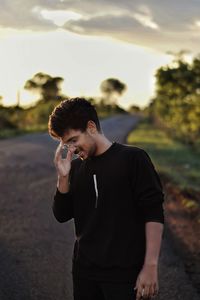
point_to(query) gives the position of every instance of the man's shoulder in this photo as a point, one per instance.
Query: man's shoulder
(130, 153)
(127, 148)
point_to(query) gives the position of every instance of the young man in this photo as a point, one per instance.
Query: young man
(115, 196)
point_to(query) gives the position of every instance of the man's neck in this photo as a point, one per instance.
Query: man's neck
(103, 144)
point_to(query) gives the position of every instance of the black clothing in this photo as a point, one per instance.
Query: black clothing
(98, 290)
(111, 197)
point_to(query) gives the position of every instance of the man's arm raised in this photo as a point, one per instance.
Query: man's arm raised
(63, 202)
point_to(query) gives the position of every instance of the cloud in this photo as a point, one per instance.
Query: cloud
(166, 25)
(23, 15)
(162, 25)
(129, 29)
(146, 20)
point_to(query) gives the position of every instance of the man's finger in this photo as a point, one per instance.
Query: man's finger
(151, 291)
(136, 289)
(58, 152)
(70, 153)
(145, 292)
(140, 293)
(155, 289)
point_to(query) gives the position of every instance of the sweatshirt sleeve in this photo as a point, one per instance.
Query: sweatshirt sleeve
(148, 189)
(63, 203)
(63, 206)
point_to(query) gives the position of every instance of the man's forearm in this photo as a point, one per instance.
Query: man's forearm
(63, 184)
(154, 231)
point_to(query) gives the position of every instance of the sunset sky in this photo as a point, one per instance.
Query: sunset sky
(86, 42)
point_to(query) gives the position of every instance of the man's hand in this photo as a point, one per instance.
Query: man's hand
(147, 282)
(63, 166)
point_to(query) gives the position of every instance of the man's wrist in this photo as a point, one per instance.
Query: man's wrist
(151, 263)
(62, 184)
(60, 177)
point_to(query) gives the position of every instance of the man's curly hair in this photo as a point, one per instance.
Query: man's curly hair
(72, 113)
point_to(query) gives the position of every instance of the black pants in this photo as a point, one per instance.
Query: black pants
(85, 289)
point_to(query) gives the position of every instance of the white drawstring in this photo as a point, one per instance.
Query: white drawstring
(96, 189)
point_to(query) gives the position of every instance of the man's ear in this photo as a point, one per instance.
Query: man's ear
(91, 127)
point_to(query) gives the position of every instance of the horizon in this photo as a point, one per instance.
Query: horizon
(86, 44)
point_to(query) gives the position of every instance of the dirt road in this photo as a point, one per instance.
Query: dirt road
(35, 250)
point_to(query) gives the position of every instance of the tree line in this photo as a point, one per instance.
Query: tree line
(48, 93)
(176, 105)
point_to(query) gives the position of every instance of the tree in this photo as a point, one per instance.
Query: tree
(46, 86)
(134, 109)
(111, 89)
(177, 101)
(196, 70)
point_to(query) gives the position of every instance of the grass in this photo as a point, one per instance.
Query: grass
(171, 158)
(8, 133)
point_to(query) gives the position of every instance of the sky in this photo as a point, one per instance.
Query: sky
(86, 42)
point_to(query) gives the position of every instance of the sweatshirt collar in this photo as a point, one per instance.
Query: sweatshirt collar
(105, 153)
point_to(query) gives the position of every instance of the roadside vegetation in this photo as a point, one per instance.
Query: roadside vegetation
(176, 104)
(173, 159)
(17, 120)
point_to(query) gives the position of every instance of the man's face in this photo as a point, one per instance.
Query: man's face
(82, 143)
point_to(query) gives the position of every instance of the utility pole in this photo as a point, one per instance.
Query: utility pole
(18, 98)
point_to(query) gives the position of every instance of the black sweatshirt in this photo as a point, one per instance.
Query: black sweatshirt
(111, 197)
